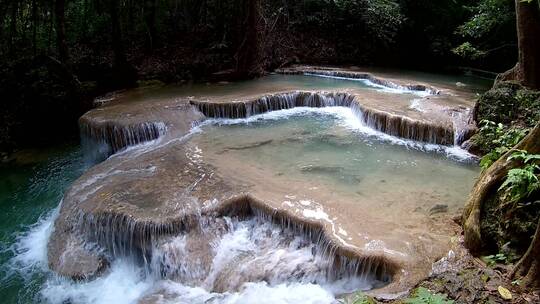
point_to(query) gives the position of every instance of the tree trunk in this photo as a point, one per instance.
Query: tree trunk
(34, 27)
(487, 184)
(527, 70)
(249, 56)
(61, 44)
(528, 267)
(85, 19)
(150, 20)
(13, 25)
(116, 33)
(124, 74)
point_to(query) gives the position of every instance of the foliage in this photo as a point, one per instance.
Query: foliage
(488, 16)
(493, 259)
(498, 139)
(489, 30)
(383, 18)
(521, 182)
(469, 51)
(423, 296)
(511, 215)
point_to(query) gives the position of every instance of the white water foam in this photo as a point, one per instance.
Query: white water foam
(126, 283)
(261, 293)
(30, 248)
(349, 120)
(416, 104)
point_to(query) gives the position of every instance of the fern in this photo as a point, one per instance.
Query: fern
(499, 140)
(521, 182)
(488, 159)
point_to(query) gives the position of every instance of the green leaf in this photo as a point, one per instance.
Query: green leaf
(424, 296)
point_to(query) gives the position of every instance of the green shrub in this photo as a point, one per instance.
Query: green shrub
(497, 139)
(521, 182)
(423, 296)
(493, 259)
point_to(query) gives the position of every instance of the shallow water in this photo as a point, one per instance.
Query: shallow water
(377, 193)
(310, 150)
(278, 82)
(329, 148)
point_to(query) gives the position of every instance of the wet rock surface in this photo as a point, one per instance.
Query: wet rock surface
(142, 196)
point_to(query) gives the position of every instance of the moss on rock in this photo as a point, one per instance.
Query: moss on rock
(505, 113)
(510, 104)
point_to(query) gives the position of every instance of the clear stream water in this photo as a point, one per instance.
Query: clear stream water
(278, 82)
(331, 148)
(31, 190)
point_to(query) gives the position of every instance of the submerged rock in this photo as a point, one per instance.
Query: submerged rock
(250, 146)
(438, 208)
(321, 169)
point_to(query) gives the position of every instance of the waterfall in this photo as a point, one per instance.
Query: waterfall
(395, 125)
(113, 138)
(420, 88)
(204, 249)
(464, 126)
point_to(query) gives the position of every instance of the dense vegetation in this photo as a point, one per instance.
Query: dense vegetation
(507, 113)
(57, 55)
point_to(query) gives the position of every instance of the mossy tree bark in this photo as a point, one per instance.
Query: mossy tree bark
(527, 70)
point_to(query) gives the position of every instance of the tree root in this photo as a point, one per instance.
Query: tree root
(528, 267)
(511, 75)
(487, 184)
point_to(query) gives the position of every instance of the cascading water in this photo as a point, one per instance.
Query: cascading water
(257, 254)
(369, 79)
(105, 139)
(204, 250)
(385, 122)
(254, 250)
(223, 257)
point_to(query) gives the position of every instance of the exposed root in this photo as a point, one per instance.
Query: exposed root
(528, 267)
(487, 184)
(510, 75)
